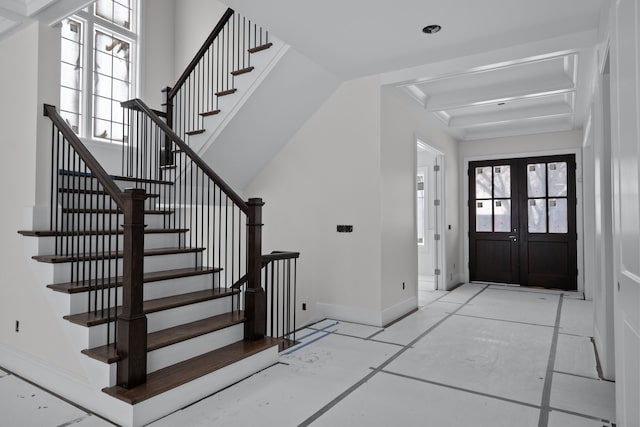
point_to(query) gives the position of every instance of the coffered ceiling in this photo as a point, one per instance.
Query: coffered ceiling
(16, 13)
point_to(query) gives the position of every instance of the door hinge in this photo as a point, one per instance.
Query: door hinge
(436, 168)
(436, 202)
(437, 272)
(436, 237)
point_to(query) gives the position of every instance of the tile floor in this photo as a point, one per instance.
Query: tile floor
(477, 356)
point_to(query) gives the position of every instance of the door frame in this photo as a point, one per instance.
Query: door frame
(440, 253)
(579, 205)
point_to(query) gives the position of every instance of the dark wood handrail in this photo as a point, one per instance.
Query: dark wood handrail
(94, 166)
(266, 259)
(139, 105)
(203, 50)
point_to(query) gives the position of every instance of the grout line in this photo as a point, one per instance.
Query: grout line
(578, 414)
(576, 375)
(387, 342)
(543, 420)
(353, 336)
(573, 335)
(317, 330)
(504, 320)
(374, 334)
(466, 390)
(367, 377)
(507, 288)
(76, 421)
(301, 346)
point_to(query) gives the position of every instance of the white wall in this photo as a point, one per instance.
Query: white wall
(157, 49)
(194, 21)
(403, 122)
(329, 174)
(23, 127)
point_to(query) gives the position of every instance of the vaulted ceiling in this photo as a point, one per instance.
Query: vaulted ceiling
(538, 83)
(529, 62)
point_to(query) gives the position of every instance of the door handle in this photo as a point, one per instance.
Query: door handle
(513, 237)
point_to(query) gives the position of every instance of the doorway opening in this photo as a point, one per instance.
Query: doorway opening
(429, 219)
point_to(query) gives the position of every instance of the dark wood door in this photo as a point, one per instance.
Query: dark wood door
(523, 221)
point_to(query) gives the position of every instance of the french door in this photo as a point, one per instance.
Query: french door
(522, 216)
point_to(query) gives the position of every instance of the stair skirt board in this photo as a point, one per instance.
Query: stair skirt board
(96, 336)
(83, 391)
(175, 399)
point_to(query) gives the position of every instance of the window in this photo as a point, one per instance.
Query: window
(98, 68)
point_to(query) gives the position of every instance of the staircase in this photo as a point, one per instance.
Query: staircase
(158, 272)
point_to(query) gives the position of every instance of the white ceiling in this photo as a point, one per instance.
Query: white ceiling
(543, 86)
(14, 14)
(544, 89)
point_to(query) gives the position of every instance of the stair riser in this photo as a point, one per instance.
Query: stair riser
(77, 244)
(61, 272)
(166, 356)
(93, 221)
(96, 336)
(152, 290)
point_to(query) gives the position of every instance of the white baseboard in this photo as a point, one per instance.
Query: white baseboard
(397, 311)
(346, 313)
(366, 316)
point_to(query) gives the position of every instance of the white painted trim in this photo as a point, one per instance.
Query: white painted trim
(397, 311)
(579, 205)
(347, 313)
(441, 246)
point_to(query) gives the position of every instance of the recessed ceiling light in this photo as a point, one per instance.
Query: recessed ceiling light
(431, 29)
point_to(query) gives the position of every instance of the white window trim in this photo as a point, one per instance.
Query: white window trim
(92, 22)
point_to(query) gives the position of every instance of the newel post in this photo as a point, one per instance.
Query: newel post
(166, 155)
(255, 326)
(132, 323)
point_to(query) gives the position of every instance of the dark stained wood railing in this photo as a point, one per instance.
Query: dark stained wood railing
(209, 205)
(88, 244)
(210, 75)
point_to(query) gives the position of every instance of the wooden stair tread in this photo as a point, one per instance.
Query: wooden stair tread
(112, 211)
(181, 373)
(116, 177)
(49, 233)
(242, 71)
(174, 335)
(195, 132)
(151, 306)
(95, 192)
(53, 259)
(210, 113)
(155, 276)
(226, 92)
(260, 48)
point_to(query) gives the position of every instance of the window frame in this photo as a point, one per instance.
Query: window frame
(92, 23)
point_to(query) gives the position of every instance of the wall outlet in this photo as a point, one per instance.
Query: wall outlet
(17, 326)
(304, 306)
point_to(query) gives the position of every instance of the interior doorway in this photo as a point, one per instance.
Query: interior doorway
(429, 218)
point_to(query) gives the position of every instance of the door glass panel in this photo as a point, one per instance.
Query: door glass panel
(558, 216)
(557, 179)
(502, 181)
(536, 180)
(484, 188)
(537, 215)
(483, 216)
(502, 216)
